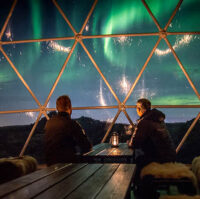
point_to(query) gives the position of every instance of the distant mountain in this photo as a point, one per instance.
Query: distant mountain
(12, 138)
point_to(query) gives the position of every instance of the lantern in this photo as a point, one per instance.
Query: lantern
(114, 140)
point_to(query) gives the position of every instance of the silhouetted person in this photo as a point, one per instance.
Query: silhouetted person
(150, 140)
(64, 137)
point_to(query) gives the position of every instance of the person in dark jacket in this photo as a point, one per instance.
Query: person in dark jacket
(150, 140)
(151, 136)
(64, 137)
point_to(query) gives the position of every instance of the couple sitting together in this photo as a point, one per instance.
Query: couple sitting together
(150, 140)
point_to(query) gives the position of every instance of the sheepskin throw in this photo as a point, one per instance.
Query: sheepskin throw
(196, 167)
(168, 170)
(13, 167)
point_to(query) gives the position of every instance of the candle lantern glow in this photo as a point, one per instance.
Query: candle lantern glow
(114, 140)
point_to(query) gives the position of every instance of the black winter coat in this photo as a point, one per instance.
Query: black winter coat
(152, 137)
(63, 136)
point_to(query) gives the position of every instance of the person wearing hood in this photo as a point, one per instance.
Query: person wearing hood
(150, 141)
(150, 136)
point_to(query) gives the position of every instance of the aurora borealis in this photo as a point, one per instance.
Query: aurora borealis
(119, 58)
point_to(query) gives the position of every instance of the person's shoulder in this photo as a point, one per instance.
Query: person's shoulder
(143, 122)
(145, 125)
(156, 115)
(53, 117)
(51, 120)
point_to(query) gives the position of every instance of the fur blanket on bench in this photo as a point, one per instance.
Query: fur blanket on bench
(196, 167)
(168, 171)
(14, 167)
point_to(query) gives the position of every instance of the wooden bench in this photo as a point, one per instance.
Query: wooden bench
(14, 167)
(196, 168)
(157, 176)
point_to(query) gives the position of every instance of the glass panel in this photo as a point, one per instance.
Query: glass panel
(132, 114)
(162, 10)
(187, 17)
(76, 11)
(14, 131)
(172, 115)
(190, 148)
(13, 93)
(121, 126)
(187, 48)
(121, 59)
(95, 122)
(163, 82)
(82, 82)
(35, 19)
(39, 63)
(36, 145)
(178, 122)
(176, 115)
(122, 119)
(4, 11)
(118, 17)
(17, 118)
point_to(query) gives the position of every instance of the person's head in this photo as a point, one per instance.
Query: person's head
(142, 106)
(63, 104)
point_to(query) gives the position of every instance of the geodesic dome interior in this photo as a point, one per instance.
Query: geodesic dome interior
(104, 54)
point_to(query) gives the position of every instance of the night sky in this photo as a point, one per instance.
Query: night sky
(120, 59)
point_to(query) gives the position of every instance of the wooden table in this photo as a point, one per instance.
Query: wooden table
(104, 153)
(73, 181)
(79, 180)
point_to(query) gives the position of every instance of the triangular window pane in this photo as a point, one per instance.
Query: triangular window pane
(187, 47)
(35, 19)
(187, 17)
(76, 11)
(13, 93)
(14, 130)
(162, 10)
(119, 17)
(121, 59)
(82, 82)
(39, 63)
(163, 82)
